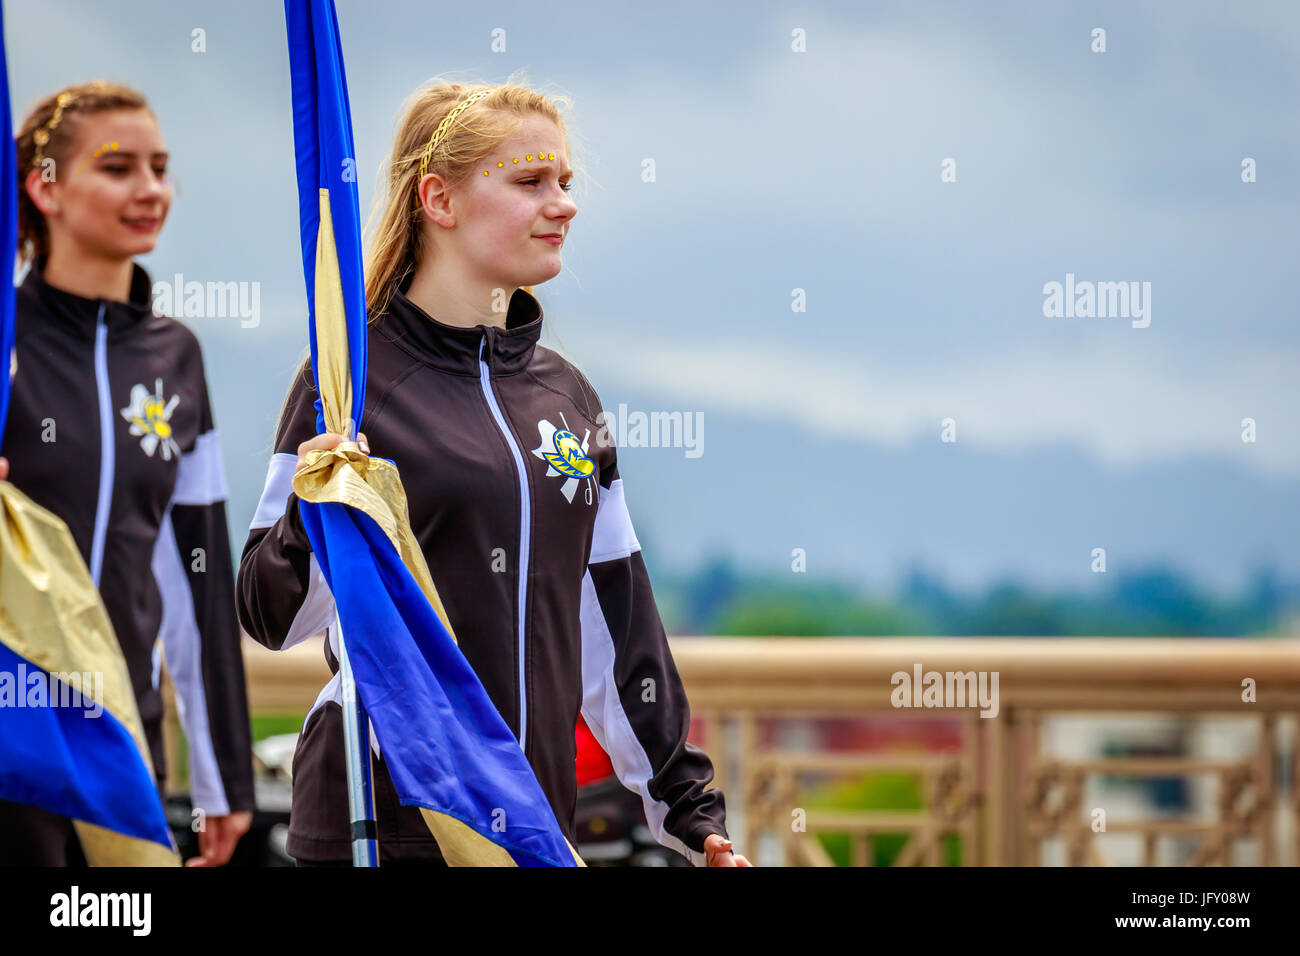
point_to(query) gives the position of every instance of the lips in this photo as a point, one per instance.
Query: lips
(552, 237)
(144, 224)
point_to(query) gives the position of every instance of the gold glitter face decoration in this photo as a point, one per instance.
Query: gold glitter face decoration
(528, 157)
(106, 148)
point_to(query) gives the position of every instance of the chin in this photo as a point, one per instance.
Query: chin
(544, 274)
(134, 243)
(142, 245)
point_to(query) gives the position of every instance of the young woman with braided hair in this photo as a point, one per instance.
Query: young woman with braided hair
(110, 428)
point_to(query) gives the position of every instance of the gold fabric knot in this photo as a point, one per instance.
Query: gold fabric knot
(348, 476)
(344, 451)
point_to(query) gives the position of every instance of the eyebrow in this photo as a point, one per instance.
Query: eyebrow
(541, 169)
(126, 154)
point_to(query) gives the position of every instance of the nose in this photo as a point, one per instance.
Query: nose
(561, 207)
(152, 186)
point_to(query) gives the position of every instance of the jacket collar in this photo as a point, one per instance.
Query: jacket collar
(80, 314)
(455, 349)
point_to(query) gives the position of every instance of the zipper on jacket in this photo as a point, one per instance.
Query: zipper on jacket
(107, 464)
(524, 525)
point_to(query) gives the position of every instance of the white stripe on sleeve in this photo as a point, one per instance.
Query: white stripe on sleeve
(201, 475)
(275, 493)
(182, 649)
(603, 711)
(612, 536)
(317, 611)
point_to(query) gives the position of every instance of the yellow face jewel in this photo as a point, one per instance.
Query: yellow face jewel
(529, 157)
(95, 154)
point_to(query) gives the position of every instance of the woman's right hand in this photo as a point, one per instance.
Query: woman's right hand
(323, 443)
(4, 469)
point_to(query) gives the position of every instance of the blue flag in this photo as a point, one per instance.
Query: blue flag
(8, 233)
(447, 748)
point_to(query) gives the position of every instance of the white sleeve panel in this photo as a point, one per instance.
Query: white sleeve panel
(276, 491)
(317, 611)
(182, 650)
(602, 709)
(201, 474)
(612, 536)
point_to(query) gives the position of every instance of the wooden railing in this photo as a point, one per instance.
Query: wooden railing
(998, 783)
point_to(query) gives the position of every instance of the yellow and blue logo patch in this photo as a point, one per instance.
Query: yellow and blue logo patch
(567, 456)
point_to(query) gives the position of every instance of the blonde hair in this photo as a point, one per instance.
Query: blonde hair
(395, 237)
(80, 100)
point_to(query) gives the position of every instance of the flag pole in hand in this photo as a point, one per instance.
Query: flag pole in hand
(356, 744)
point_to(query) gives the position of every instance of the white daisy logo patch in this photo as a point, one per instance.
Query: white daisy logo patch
(565, 455)
(151, 419)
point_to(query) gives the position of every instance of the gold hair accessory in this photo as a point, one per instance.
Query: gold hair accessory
(445, 125)
(42, 136)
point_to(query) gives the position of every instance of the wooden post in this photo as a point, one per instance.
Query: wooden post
(1265, 791)
(1295, 791)
(969, 827)
(1003, 801)
(1033, 733)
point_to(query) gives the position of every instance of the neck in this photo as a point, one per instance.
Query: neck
(91, 277)
(439, 288)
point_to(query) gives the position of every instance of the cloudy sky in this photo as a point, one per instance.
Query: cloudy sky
(779, 170)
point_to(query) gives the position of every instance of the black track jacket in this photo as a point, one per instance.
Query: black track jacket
(110, 428)
(538, 567)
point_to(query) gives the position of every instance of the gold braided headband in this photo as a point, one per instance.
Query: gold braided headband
(445, 125)
(42, 136)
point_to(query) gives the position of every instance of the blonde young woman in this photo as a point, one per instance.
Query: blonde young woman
(110, 428)
(518, 508)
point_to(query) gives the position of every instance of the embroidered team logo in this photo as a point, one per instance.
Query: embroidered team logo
(567, 457)
(151, 419)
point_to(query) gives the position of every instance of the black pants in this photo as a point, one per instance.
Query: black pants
(30, 836)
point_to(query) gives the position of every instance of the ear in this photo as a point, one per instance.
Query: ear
(436, 200)
(42, 191)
